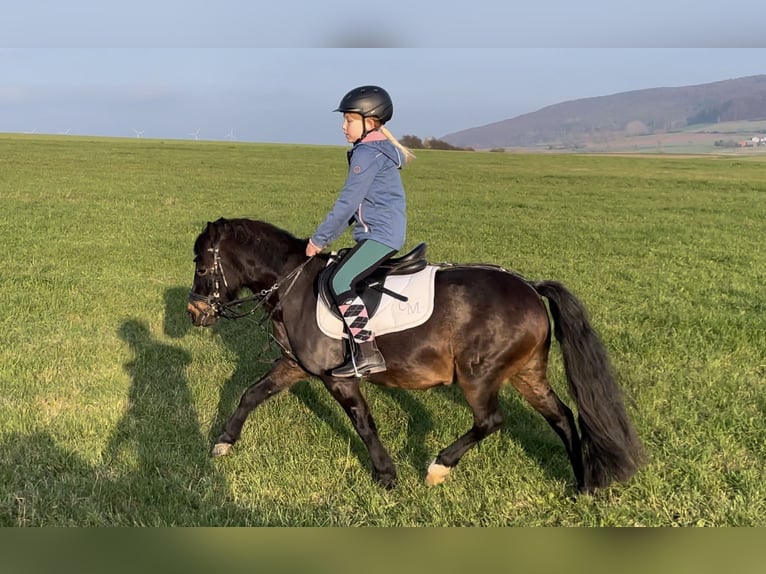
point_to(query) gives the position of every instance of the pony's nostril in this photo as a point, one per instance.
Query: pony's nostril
(193, 313)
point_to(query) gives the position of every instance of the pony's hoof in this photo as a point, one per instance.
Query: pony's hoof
(437, 473)
(221, 449)
(389, 484)
(587, 490)
(386, 479)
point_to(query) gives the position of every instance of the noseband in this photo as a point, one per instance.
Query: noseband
(214, 307)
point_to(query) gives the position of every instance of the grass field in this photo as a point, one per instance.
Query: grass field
(111, 400)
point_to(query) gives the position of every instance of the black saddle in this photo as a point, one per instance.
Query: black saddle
(371, 289)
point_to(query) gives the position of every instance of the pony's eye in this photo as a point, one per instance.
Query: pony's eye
(201, 272)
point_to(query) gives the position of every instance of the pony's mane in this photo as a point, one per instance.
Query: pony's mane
(253, 235)
(253, 230)
(246, 231)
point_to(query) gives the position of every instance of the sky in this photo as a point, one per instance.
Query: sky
(248, 71)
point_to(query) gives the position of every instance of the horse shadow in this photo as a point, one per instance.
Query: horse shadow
(522, 426)
(525, 428)
(181, 479)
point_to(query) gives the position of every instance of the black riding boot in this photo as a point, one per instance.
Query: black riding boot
(364, 359)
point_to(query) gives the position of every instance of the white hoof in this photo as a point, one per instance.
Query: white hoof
(221, 449)
(437, 473)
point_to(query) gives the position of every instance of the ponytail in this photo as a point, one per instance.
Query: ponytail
(408, 155)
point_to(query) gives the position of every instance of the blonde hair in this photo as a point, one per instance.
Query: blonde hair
(408, 155)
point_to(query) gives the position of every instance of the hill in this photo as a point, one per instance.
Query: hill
(588, 121)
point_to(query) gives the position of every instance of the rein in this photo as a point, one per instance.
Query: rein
(229, 310)
(262, 297)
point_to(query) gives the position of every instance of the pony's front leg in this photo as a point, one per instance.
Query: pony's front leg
(348, 394)
(282, 375)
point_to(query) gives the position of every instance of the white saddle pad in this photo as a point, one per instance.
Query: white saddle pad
(392, 315)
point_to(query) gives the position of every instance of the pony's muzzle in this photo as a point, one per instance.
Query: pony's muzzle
(201, 313)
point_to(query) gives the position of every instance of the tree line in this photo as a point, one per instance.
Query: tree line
(414, 142)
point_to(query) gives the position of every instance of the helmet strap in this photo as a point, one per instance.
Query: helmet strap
(365, 131)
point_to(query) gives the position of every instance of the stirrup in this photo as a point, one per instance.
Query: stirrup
(347, 369)
(360, 364)
(350, 370)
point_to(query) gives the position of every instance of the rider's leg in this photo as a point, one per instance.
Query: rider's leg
(364, 358)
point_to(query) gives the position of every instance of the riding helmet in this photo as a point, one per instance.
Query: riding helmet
(368, 101)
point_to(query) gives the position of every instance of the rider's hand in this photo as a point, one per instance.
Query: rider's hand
(312, 249)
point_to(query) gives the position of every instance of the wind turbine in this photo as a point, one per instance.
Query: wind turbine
(66, 132)
(230, 136)
(138, 133)
(195, 134)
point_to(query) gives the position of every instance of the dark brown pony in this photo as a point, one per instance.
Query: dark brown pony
(489, 326)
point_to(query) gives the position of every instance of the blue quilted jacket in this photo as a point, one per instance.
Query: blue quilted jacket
(372, 199)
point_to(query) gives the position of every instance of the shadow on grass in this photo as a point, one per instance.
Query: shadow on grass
(242, 338)
(522, 426)
(419, 424)
(418, 421)
(155, 469)
(526, 428)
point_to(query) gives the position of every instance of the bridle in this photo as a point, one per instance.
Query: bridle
(214, 307)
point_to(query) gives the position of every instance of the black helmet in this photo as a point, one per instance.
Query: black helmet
(368, 101)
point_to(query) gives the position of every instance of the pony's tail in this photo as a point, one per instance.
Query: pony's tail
(611, 448)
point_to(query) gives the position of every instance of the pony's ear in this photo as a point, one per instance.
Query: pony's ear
(224, 226)
(240, 234)
(212, 231)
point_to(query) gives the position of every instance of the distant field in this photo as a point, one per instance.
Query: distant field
(697, 139)
(110, 400)
(744, 127)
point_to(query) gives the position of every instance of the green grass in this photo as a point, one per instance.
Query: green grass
(111, 401)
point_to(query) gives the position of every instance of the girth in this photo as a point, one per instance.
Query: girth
(371, 289)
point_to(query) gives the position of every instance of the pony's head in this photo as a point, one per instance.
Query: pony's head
(216, 278)
(235, 254)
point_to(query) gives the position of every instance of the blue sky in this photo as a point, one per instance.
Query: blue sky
(273, 73)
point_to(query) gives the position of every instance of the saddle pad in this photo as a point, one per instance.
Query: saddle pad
(392, 315)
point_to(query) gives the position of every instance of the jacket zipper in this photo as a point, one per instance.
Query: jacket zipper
(361, 219)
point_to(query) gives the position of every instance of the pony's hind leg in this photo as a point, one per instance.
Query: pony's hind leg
(482, 397)
(532, 383)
